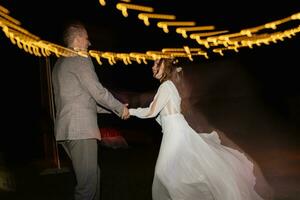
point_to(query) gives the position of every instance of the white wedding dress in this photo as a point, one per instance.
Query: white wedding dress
(191, 165)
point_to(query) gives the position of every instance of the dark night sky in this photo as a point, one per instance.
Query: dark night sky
(274, 68)
(109, 30)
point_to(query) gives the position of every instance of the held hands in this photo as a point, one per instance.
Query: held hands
(125, 114)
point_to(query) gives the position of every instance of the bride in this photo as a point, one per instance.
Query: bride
(191, 165)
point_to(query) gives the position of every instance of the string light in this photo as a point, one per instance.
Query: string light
(4, 10)
(125, 6)
(145, 17)
(183, 30)
(212, 42)
(102, 2)
(249, 37)
(165, 24)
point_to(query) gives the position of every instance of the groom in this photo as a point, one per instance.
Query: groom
(78, 97)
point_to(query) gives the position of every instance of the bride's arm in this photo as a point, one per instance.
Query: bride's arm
(160, 100)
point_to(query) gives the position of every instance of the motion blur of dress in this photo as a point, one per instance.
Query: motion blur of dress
(191, 165)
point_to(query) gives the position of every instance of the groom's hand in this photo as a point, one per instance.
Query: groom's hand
(125, 114)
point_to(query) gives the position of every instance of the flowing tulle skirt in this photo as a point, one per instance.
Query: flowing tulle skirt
(195, 166)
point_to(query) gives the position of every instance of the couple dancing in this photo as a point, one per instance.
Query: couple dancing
(190, 165)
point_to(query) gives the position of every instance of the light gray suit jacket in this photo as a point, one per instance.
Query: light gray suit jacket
(77, 92)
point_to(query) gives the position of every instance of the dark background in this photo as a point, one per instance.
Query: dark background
(268, 74)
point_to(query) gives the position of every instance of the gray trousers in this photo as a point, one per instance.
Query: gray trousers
(84, 156)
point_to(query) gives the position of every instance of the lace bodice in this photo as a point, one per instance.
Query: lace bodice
(166, 102)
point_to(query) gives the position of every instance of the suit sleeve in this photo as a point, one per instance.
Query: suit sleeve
(102, 110)
(160, 100)
(89, 80)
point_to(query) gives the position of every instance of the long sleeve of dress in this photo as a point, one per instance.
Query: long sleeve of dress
(160, 100)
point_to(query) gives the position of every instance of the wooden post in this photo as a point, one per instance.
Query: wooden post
(51, 151)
